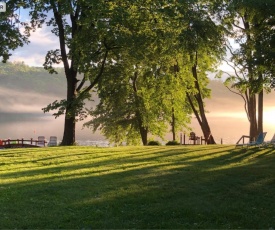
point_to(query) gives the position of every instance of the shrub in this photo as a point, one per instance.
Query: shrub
(172, 143)
(154, 143)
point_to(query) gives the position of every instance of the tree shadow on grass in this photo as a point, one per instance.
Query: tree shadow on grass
(246, 153)
(168, 189)
(44, 165)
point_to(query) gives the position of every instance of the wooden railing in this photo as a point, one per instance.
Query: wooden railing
(193, 139)
(242, 139)
(10, 143)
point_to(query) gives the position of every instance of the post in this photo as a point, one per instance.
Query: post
(184, 138)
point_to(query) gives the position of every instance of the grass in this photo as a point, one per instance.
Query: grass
(137, 187)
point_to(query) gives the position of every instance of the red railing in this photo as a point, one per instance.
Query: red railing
(22, 143)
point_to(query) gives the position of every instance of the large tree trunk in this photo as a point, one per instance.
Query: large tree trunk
(70, 123)
(253, 129)
(142, 130)
(69, 132)
(260, 110)
(143, 133)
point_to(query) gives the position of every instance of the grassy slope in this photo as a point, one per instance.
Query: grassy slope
(137, 187)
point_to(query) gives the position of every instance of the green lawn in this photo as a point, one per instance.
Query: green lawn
(137, 187)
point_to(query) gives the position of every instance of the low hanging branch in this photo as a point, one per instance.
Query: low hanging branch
(245, 101)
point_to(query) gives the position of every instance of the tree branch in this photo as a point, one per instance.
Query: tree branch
(239, 27)
(194, 109)
(95, 81)
(245, 101)
(234, 68)
(81, 83)
(135, 81)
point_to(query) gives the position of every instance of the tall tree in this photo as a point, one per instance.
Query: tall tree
(202, 41)
(251, 29)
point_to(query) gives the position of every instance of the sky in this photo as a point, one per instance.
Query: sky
(33, 54)
(41, 41)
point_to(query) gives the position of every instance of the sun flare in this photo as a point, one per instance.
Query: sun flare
(269, 117)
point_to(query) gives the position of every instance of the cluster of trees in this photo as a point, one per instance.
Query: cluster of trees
(148, 60)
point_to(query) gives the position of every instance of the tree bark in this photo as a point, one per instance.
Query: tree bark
(260, 111)
(142, 130)
(260, 106)
(70, 121)
(144, 135)
(253, 129)
(69, 132)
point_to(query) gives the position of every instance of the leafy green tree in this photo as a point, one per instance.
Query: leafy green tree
(151, 93)
(140, 100)
(10, 36)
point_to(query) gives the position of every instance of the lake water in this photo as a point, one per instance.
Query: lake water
(17, 126)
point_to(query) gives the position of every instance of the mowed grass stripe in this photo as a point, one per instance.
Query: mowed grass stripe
(137, 187)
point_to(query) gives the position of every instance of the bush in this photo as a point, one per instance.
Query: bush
(154, 143)
(172, 143)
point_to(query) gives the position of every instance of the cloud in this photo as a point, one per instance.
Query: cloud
(33, 54)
